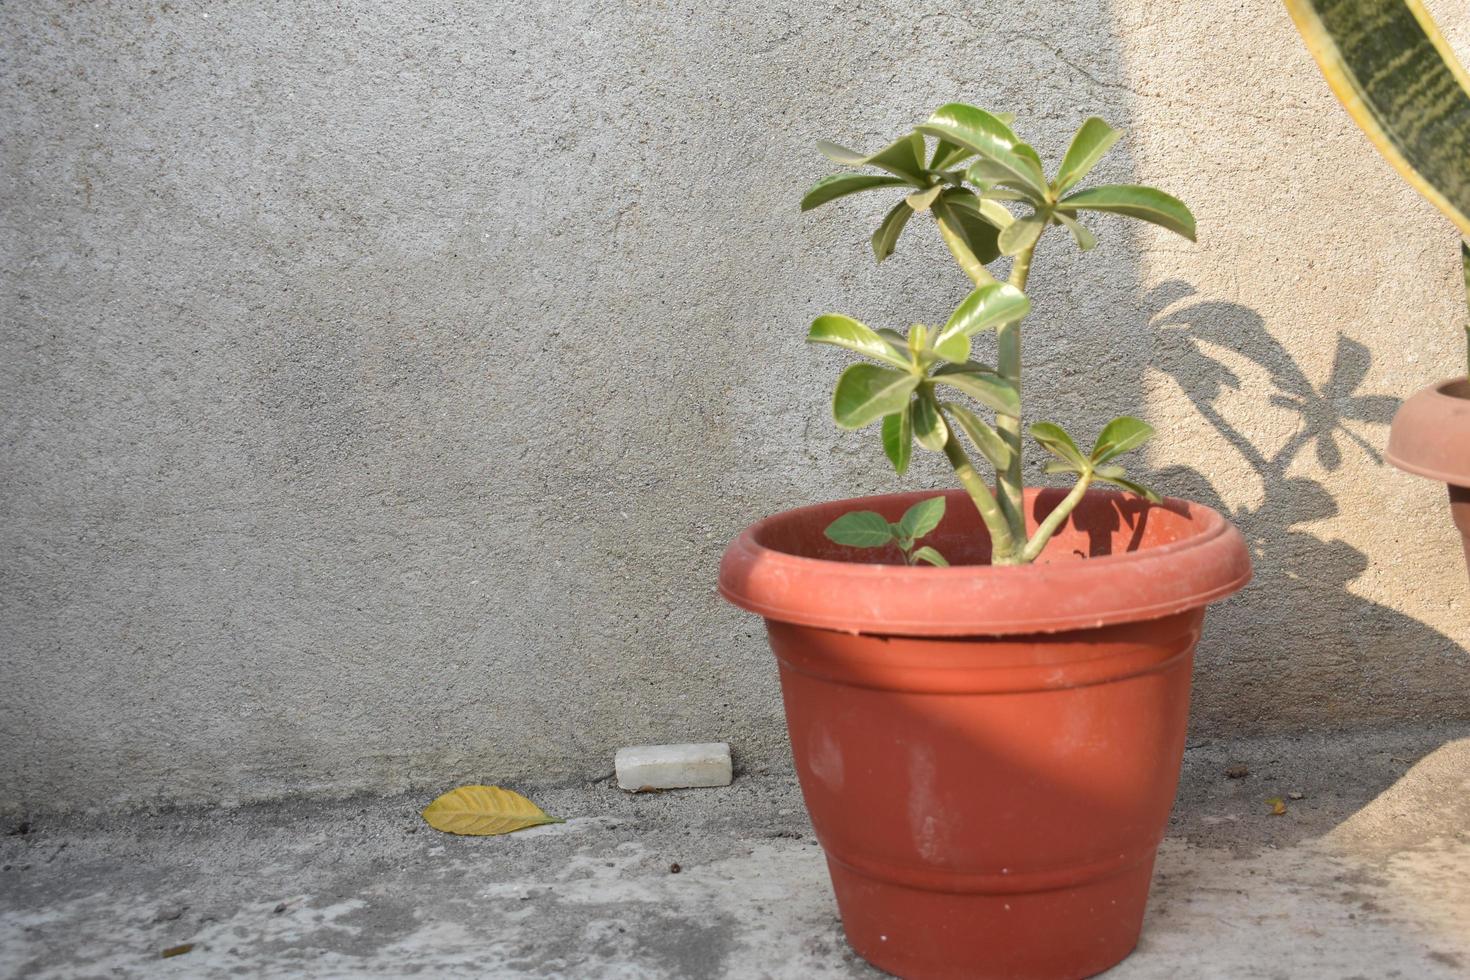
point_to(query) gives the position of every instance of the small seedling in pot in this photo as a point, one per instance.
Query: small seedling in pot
(869, 529)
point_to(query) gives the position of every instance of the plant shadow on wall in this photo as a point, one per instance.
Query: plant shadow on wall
(1349, 659)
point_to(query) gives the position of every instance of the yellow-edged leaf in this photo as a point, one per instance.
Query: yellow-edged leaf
(482, 811)
(1393, 71)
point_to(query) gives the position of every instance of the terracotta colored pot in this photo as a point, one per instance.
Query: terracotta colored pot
(989, 755)
(1431, 437)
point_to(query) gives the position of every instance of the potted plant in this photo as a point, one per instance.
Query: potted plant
(1396, 75)
(986, 690)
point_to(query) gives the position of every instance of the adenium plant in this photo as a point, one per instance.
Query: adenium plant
(923, 385)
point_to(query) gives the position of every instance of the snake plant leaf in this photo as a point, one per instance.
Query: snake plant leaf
(1054, 439)
(1465, 265)
(1122, 435)
(844, 331)
(986, 308)
(1393, 71)
(481, 811)
(1092, 141)
(1021, 234)
(1132, 486)
(886, 237)
(986, 439)
(933, 557)
(1086, 240)
(1015, 162)
(860, 529)
(898, 438)
(987, 389)
(866, 393)
(904, 157)
(841, 185)
(1145, 203)
(921, 518)
(947, 155)
(976, 227)
(920, 200)
(929, 427)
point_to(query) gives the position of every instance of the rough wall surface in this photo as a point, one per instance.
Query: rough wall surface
(381, 382)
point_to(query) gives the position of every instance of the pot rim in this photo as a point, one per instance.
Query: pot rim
(985, 600)
(1425, 407)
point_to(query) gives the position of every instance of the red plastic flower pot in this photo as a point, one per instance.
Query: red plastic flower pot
(989, 755)
(1431, 437)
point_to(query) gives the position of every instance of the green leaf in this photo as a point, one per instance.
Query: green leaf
(986, 439)
(860, 529)
(844, 331)
(1054, 466)
(933, 557)
(904, 157)
(929, 427)
(886, 237)
(918, 339)
(920, 200)
(866, 393)
(1008, 194)
(991, 212)
(896, 339)
(986, 308)
(977, 130)
(1021, 234)
(1093, 140)
(1144, 203)
(1086, 240)
(969, 367)
(947, 154)
(898, 438)
(1130, 486)
(954, 348)
(921, 518)
(1054, 439)
(976, 228)
(987, 389)
(841, 185)
(1121, 435)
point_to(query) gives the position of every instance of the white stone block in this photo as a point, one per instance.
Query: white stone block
(641, 767)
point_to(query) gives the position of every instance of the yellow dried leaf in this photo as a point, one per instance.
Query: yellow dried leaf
(1278, 806)
(481, 811)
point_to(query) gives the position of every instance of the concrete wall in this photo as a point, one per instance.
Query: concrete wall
(381, 382)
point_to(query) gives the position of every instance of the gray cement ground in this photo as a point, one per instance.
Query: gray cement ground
(1366, 875)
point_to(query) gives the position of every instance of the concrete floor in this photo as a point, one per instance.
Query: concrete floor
(1367, 875)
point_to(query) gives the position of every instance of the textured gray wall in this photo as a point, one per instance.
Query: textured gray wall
(381, 382)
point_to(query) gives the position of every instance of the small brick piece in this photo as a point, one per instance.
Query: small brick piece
(644, 767)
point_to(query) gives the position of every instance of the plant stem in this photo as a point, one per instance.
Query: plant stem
(1054, 520)
(1009, 484)
(1002, 541)
(967, 260)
